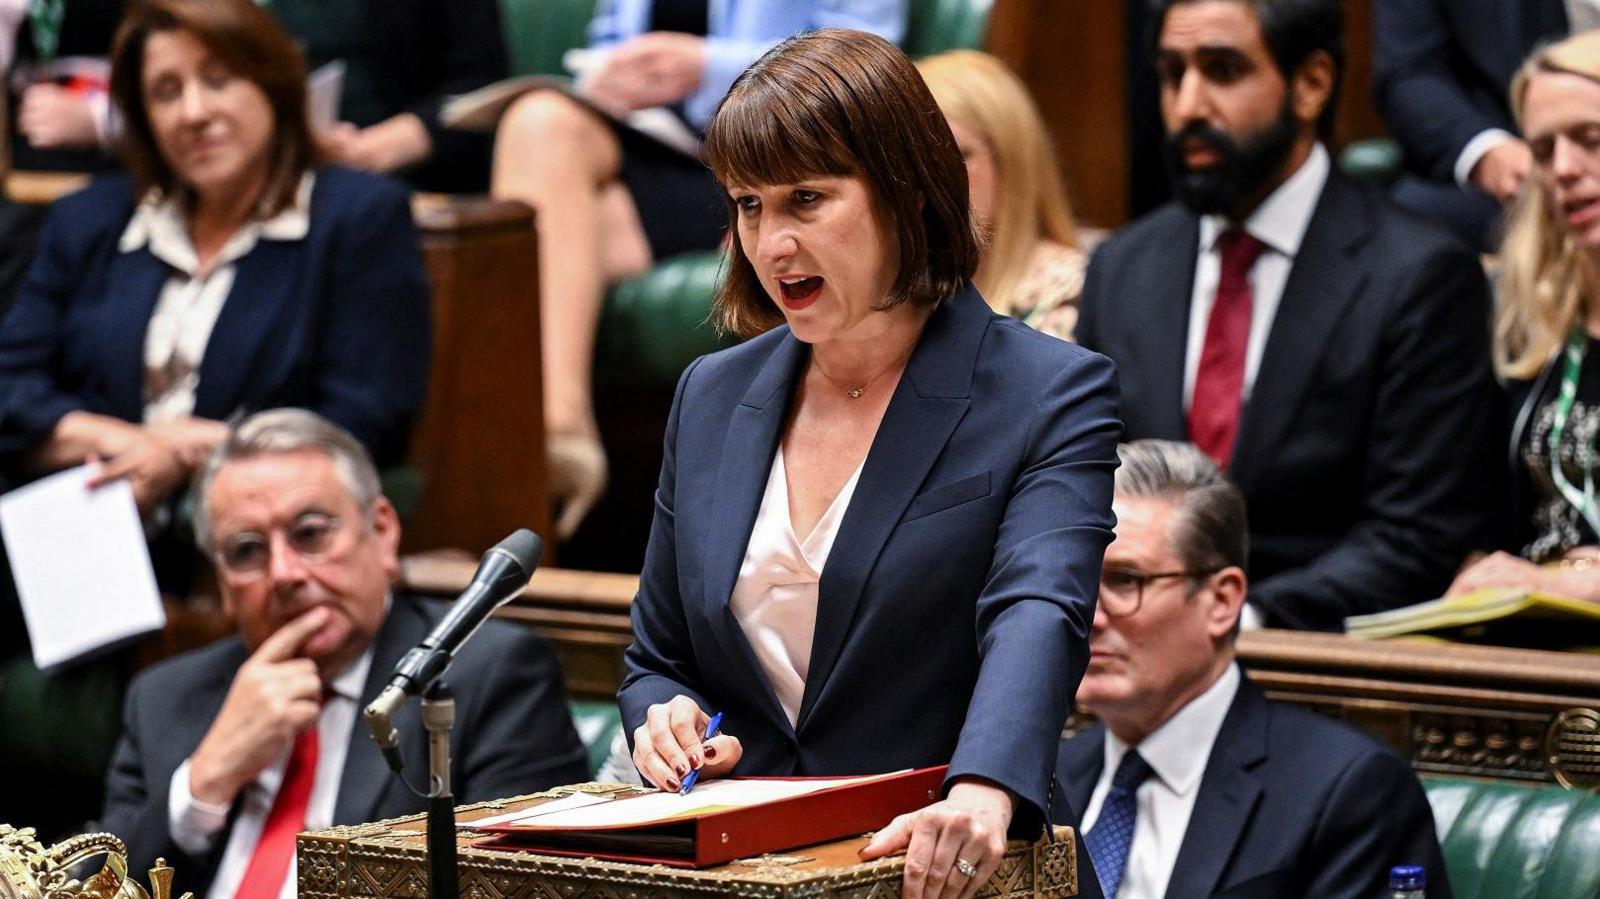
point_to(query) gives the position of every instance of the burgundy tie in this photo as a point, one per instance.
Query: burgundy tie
(1219, 382)
(263, 878)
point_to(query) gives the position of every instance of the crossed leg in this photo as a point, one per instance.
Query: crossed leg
(564, 161)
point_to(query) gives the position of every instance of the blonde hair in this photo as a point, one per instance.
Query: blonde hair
(977, 92)
(1546, 280)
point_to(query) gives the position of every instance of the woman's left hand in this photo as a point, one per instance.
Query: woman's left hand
(968, 826)
(1500, 569)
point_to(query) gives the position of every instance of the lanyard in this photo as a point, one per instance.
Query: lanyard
(1582, 500)
(44, 18)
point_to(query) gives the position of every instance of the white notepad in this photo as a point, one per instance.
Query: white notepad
(81, 565)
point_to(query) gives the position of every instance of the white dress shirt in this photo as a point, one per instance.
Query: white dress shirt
(1177, 752)
(1280, 222)
(775, 597)
(195, 825)
(187, 309)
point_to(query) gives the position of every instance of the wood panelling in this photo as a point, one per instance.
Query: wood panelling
(480, 444)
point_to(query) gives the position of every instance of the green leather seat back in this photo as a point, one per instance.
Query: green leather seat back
(654, 325)
(598, 723)
(538, 32)
(1508, 841)
(940, 25)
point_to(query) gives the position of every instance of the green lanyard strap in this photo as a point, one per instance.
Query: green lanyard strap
(1571, 369)
(44, 19)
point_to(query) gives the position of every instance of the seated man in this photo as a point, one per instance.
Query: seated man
(230, 750)
(1194, 784)
(1327, 350)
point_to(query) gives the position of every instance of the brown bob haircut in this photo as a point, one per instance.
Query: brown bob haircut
(840, 102)
(244, 38)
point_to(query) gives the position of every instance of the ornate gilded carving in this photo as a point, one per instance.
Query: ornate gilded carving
(382, 861)
(30, 871)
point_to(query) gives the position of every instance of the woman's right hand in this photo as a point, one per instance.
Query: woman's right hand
(151, 463)
(669, 745)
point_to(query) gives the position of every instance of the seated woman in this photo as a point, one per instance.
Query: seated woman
(229, 273)
(1547, 331)
(1032, 268)
(879, 528)
(612, 201)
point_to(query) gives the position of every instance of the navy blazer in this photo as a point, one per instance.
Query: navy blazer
(337, 323)
(1442, 70)
(513, 734)
(1367, 450)
(954, 610)
(1291, 805)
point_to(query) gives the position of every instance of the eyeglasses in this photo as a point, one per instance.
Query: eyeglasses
(313, 536)
(1122, 589)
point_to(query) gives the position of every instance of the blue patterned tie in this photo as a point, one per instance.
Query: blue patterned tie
(1108, 840)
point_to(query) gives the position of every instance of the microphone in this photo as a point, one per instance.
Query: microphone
(503, 572)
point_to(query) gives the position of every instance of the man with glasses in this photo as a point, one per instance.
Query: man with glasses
(1192, 783)
(230, 750)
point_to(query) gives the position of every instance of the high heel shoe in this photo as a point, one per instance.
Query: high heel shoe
(578, 476)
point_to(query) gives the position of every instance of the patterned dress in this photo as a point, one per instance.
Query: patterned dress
(1047, 297)
(1557, 524)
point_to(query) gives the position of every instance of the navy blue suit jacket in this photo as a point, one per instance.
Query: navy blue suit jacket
(1442, 70)
(1291, 805)
(513, 734)
(337, 323)
(954, 610)
(1368, 449)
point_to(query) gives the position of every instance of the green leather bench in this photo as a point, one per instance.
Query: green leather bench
(1509, 841)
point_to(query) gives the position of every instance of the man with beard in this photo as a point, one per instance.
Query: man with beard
(1324, 348)
(230, 750)
(1193, 784)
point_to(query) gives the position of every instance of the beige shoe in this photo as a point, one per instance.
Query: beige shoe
(578, 476)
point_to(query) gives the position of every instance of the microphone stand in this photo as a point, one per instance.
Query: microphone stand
(438, 717)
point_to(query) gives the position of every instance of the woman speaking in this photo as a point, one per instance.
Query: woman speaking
(879, 528)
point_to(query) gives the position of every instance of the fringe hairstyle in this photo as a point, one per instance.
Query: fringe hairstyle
(842, 102)
(977, 92)
(1547, 282)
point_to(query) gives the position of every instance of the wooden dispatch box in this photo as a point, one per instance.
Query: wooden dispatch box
(388, 860)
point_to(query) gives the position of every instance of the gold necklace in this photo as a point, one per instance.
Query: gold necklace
(857, 393)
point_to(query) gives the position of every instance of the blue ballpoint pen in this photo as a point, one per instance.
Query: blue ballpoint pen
(693, 777)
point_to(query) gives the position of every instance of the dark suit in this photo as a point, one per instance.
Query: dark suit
(336, 322)
(1291, 804)
(1366, 445)
(1442, 69)
(513, 734)
(955, 606)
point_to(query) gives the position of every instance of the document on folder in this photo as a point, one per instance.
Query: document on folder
(81, 565)
(716, 822)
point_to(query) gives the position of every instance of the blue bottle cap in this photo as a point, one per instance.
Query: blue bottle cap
(1407, 877)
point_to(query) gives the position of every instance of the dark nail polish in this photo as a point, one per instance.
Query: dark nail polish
(711, 752)
(672, 785)
(681, 768)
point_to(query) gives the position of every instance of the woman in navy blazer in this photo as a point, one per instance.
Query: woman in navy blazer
(951, 615)
(327, 309)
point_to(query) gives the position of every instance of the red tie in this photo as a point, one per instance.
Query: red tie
(1219, 382)
(263, 879)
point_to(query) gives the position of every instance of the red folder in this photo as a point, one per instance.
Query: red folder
(716, 836)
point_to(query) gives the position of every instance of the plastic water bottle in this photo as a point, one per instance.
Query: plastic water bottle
(1408, 882)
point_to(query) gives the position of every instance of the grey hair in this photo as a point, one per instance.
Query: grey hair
(286, 431)
(1211, 533)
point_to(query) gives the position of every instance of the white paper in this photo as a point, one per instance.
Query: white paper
(576, 800)
(80, 563)
(634, 810)
(324, 90)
